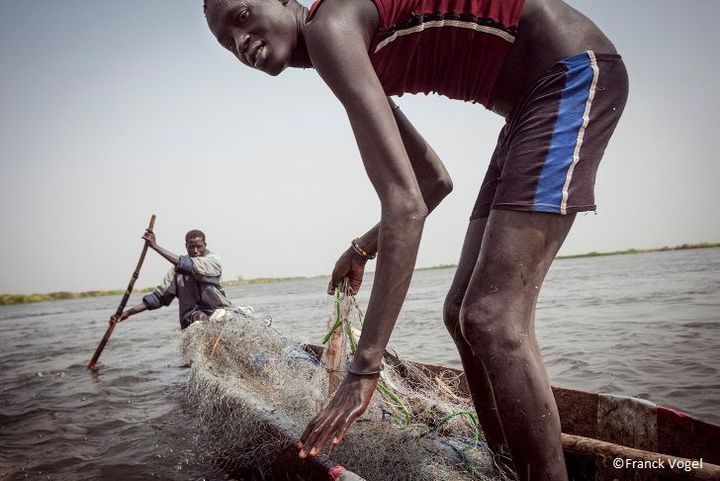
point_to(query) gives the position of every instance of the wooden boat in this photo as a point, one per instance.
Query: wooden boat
(598, 430)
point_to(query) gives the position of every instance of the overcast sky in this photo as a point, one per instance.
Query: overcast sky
(113, 110)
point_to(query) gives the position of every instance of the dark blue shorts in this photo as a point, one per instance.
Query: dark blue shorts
(548, 152)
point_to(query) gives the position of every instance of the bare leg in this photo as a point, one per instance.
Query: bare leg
(472, 365)
(497, 320)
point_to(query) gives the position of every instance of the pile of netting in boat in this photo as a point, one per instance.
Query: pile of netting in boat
(252, 391)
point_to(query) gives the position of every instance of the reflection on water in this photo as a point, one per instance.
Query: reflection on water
(644, 325)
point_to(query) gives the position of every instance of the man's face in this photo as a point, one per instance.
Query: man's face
(260, 33)
(195, 246)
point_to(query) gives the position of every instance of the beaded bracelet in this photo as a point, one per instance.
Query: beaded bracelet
(361, 252)
(351, 370)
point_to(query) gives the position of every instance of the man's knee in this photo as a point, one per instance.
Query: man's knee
(451, 314)
(489, 327)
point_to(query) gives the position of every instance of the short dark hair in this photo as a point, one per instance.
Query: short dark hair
(193, 234)
(206, 3)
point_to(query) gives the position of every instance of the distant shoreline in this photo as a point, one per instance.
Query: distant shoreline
(704, 245)
(12, 299)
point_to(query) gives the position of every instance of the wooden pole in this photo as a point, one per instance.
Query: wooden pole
(93, 362)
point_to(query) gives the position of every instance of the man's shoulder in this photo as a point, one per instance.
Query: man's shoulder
(336, 18)
(212, 258)
(212, 255)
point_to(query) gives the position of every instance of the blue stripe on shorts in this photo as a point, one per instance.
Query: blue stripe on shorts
(578, 82)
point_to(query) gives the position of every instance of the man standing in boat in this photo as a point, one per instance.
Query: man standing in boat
(194, 280)
(561, 87)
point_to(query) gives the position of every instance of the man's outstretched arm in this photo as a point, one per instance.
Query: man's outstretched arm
(163, 295)
(435, 184)
(129, 312)
(338, 49)
(206, 268)
(152, 243)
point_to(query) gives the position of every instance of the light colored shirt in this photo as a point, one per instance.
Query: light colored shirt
(196, 282)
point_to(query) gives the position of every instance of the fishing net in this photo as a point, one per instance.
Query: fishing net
(252, 391)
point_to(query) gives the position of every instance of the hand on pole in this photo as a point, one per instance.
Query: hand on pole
(149, 237)
(119, 318)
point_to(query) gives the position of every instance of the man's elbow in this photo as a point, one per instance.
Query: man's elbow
(440, 188)
(408, 210)
(153, 301)
(444, 186)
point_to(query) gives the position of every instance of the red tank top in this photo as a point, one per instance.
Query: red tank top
(454, 48)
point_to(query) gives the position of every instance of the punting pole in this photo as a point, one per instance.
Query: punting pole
(93, 362)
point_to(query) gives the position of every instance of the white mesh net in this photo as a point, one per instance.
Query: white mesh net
(252, 392)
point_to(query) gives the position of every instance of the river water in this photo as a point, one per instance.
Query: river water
(644, 325)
